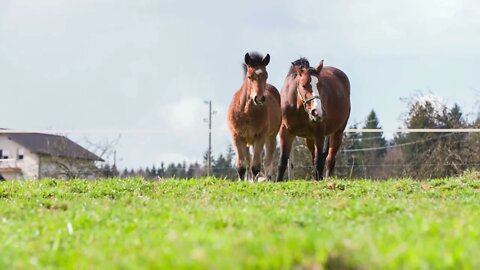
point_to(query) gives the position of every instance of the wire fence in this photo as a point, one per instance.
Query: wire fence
(190, 130)
(152, 131)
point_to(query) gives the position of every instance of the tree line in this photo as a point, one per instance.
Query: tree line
(415, 154)
(365, 155)
(222, 167)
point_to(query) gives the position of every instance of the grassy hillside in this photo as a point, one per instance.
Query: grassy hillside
(218, 224)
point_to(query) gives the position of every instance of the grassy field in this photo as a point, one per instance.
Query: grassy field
(217, 224)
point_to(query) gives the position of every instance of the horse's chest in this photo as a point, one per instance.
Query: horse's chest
(299, 125)
(250, 127)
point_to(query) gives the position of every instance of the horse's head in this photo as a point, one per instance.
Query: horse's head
(256, 76)
(308, 88)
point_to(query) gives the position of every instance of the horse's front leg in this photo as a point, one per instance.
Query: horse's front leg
(257, 156)
(248, 162)
(241, 161)
(270, 145)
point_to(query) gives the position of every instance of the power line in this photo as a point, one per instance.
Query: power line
(391, 165)
(413, 130)
(395, 145)
(363, 139)
(186, 131)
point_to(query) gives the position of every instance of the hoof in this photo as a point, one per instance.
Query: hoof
(262, 179)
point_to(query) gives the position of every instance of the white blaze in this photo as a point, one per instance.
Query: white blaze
(317, 104)
(258, 72)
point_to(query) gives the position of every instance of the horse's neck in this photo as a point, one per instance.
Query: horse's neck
(292, 93)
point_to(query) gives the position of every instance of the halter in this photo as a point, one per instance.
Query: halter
(306, 101)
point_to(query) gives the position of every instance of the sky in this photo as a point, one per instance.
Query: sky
(137, 73)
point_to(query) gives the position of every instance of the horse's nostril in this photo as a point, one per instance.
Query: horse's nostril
(313, 112)
(259, 100)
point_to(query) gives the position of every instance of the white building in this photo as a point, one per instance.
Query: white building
(37, 155)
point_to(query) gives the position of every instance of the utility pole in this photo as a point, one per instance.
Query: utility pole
(209, 152)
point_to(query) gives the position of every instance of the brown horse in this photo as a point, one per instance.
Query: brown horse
(316, 106)
(254, 117)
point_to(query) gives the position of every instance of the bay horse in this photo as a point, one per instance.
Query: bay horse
(254, 118)
(315, 106)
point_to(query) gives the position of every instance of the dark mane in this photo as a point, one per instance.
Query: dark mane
(256, 59)
(303, 62)
(312, 71)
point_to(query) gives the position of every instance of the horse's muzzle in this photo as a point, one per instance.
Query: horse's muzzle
(315, 116)
(259, 100)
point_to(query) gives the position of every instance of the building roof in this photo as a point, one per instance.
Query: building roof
(52, 145)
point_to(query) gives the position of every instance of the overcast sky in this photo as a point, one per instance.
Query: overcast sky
(149, 65)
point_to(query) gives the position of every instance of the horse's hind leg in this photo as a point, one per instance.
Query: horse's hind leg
(335, 140)
(311, 147)
(270, 146)
(242, 153)
(286, 141)
(319, 157)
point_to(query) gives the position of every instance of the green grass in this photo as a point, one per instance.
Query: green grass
(216, 224)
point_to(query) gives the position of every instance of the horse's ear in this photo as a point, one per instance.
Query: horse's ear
(296, 68)
(266, 60)
(247, 59)
(319, 67)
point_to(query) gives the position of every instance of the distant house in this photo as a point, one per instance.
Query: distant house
(37, 155)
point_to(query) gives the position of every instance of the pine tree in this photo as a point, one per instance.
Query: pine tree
(147, 172)
(230, 156)
(230, 171)
(106, 171)
(171, 171)
(153, 172)
(115, 172)
(182, 170)
(161, 171)
(195, 171)
(125, 173)
(374, 145)
(347, 161)
(140, 173)
(205, 161)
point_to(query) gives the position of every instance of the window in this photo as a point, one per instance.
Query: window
(20, 153)
(1, 154)
(5, 154)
